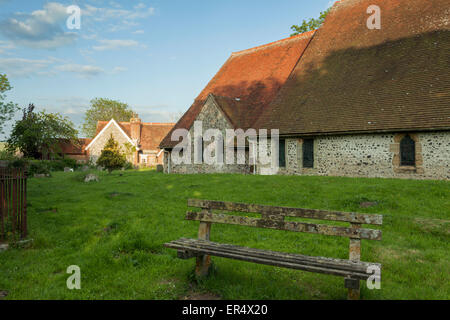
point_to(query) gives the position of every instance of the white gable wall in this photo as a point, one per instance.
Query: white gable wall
(97, 145)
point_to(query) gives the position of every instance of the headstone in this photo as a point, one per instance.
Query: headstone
(90, 177)
(67, 169)
(100, 168)
(159, 168)
(85, 168)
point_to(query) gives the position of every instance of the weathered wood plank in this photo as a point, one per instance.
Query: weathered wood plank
(185, 255)
(336, 263)
(267, 261)
(361, 233)
(375, 219)
(203, 262)
(291, 257)
(354, 255)
(352, 285)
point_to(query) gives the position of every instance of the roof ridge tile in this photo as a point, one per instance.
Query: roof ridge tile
(263, 46)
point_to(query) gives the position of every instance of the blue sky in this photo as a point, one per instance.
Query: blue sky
(154, 55)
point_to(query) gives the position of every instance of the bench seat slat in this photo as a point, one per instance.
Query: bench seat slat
(336, 267)
(360, 233)
(338, 263)
(375, 219)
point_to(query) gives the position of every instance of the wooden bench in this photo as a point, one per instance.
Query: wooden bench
(353, 270)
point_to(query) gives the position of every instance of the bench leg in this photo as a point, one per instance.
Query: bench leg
(353, 288)
(203, 261)
(354, 255)
(202, 267)
(353, 294)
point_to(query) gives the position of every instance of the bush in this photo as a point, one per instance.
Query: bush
(19, 163)
(38, 167)
(128, 166)
(5, 155)
(71, 163)
(56, 165)
(47, 166)
(41, 166)
(112, 157)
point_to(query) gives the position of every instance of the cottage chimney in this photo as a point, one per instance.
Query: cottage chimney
(135, 128)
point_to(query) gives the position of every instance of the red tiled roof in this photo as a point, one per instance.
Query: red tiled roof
(68, 147)
(352, 79)
(254, 76)
(124, 125)
(151, 132)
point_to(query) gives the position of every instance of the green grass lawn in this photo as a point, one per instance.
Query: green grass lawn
(115, 230)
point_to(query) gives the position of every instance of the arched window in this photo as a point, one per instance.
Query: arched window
(308, 153)
(282, 153)
(407, 151)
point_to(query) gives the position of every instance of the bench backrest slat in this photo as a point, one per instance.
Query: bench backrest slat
(354, 233)
(375, 219)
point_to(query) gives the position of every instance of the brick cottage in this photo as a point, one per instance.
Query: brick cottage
(139, 140)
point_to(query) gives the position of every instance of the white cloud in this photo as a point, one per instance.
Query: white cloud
(141, 14)
(115, 4)
(91, 36)
(45, 28)
(40, 29)
(139, 11)
(6, 46)
(118, 70)
(72, 106)
(115, 44)
(19, 67)
(138, 32)
(83, 70)
(139, 6)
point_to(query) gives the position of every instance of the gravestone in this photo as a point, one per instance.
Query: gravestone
(90, 177)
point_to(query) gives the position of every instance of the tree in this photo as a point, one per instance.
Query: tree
(39, 134)
(104, 110)
(130, 150)
(112, 157)
(7, 109)
(312, 24)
